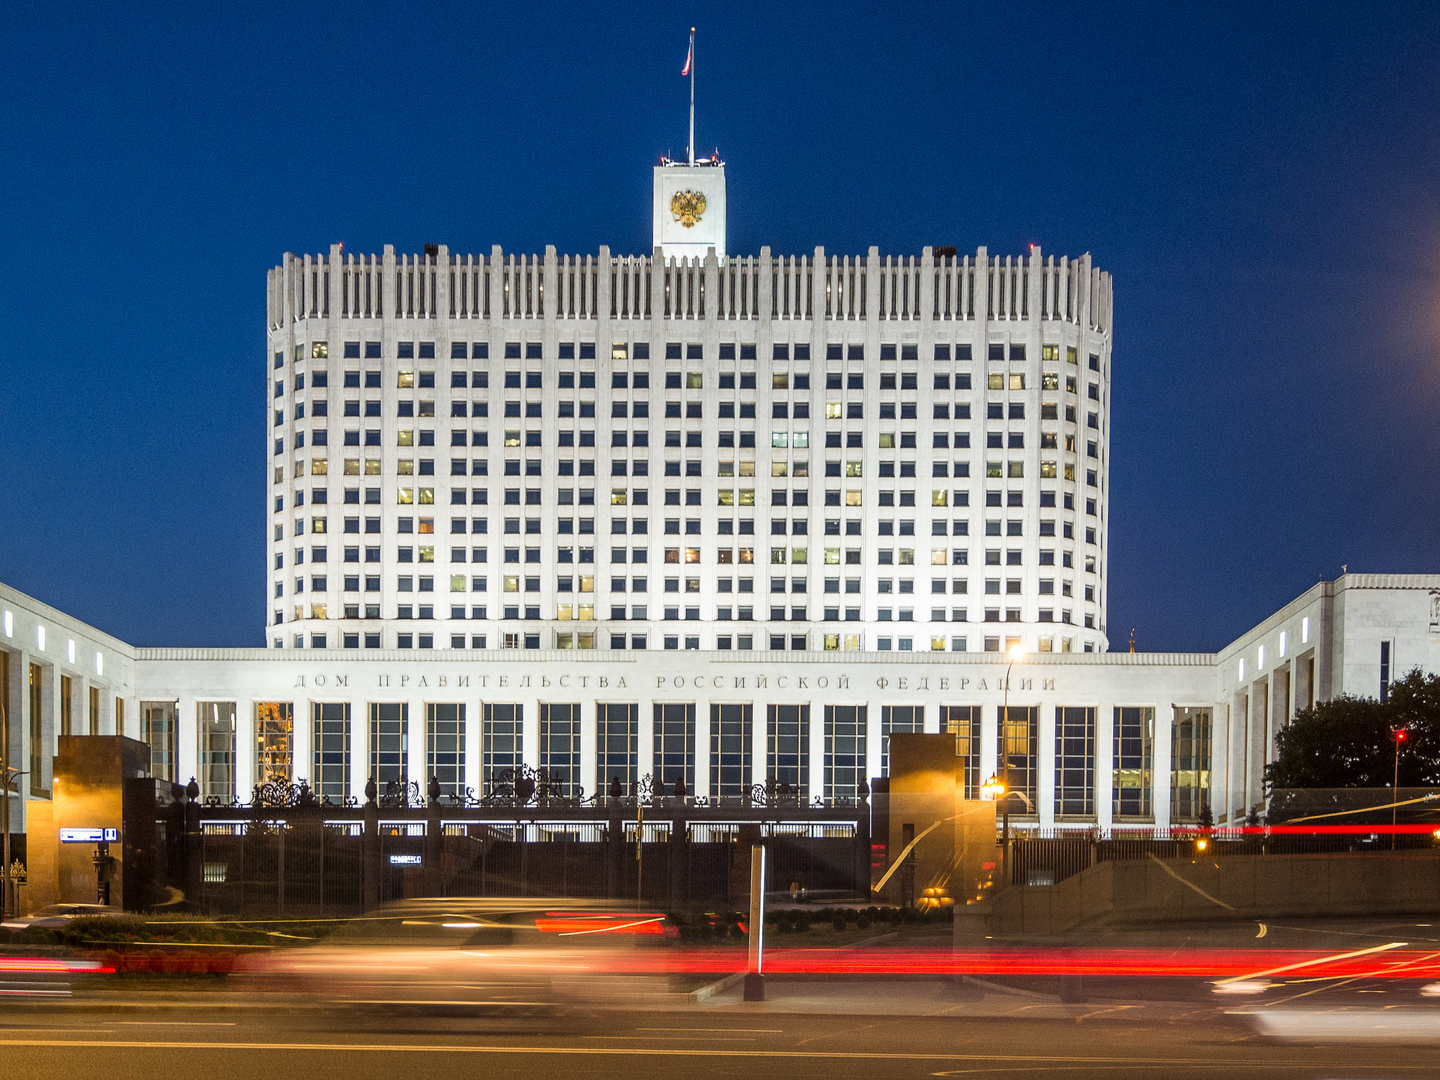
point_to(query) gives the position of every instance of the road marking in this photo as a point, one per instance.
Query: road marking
(177, 1023)
(658, 1038)
(1263, 930)
(763, 1031)
(640, 1051)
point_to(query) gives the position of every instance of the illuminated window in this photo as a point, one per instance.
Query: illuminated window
(832, 556)
(1047, 470)
(725, 555)
(427, 495)
(511, 584)
(780, 381)
(457, 582)
(405, 379)
(939, 497)
(996, 380)
(799, 554)
(937, 556)
(780, 439)
(692, 555)
(887, 440)
(1017, 381)
(317, 524)
(832, 410)
(618, 497)
(694, 380)
(747, 555)
(747, 468)
(852, 497)
(405, 467)
(778, 468)
(319, 467)
(1049, 352)
(853, 468)
(725, 468)
(405, 496)
(274, 730)
(747, 496)
(427, 525)
(512, 438)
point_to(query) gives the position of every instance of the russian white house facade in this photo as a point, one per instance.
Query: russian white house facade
(727, 520)
(1103, 739)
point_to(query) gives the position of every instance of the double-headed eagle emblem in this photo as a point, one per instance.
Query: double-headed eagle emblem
(687, 207)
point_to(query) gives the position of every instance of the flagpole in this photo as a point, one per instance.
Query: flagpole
(692, 95)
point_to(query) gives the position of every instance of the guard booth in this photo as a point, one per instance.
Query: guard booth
(95, 840)
(938, 841)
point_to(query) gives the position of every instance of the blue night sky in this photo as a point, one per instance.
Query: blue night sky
(1262, 180)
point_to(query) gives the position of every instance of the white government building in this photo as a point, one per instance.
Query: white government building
(726, 519)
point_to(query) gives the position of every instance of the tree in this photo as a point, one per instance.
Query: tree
(1350, 742)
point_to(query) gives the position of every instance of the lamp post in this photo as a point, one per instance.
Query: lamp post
(1395, 786)
(1015, 653)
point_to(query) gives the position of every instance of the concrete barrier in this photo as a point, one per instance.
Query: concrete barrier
(1236, 887)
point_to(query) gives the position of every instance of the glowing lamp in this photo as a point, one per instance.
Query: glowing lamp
(992, 788)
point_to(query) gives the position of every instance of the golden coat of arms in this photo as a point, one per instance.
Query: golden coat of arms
(687, 207)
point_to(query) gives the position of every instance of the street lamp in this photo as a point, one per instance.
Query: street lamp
(1015, 652)
(1395, 786)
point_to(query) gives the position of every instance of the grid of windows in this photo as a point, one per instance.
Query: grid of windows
(906, 719)
(828, 412)
(445, 746)
(1134, 738)
(215, 725)
(157, 727)
(389, 746)
(617, 738)
(1018, 734)
(963, 721)
(501, 748)
(730, 735)
(560, 746)
(274, 741)
(1190, 764)
(844, 750)
(330, 746)
(674, 746)
(787, 755)
(1075, 762)
(37, 735)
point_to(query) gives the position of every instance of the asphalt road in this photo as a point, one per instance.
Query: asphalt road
(982, 1035)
